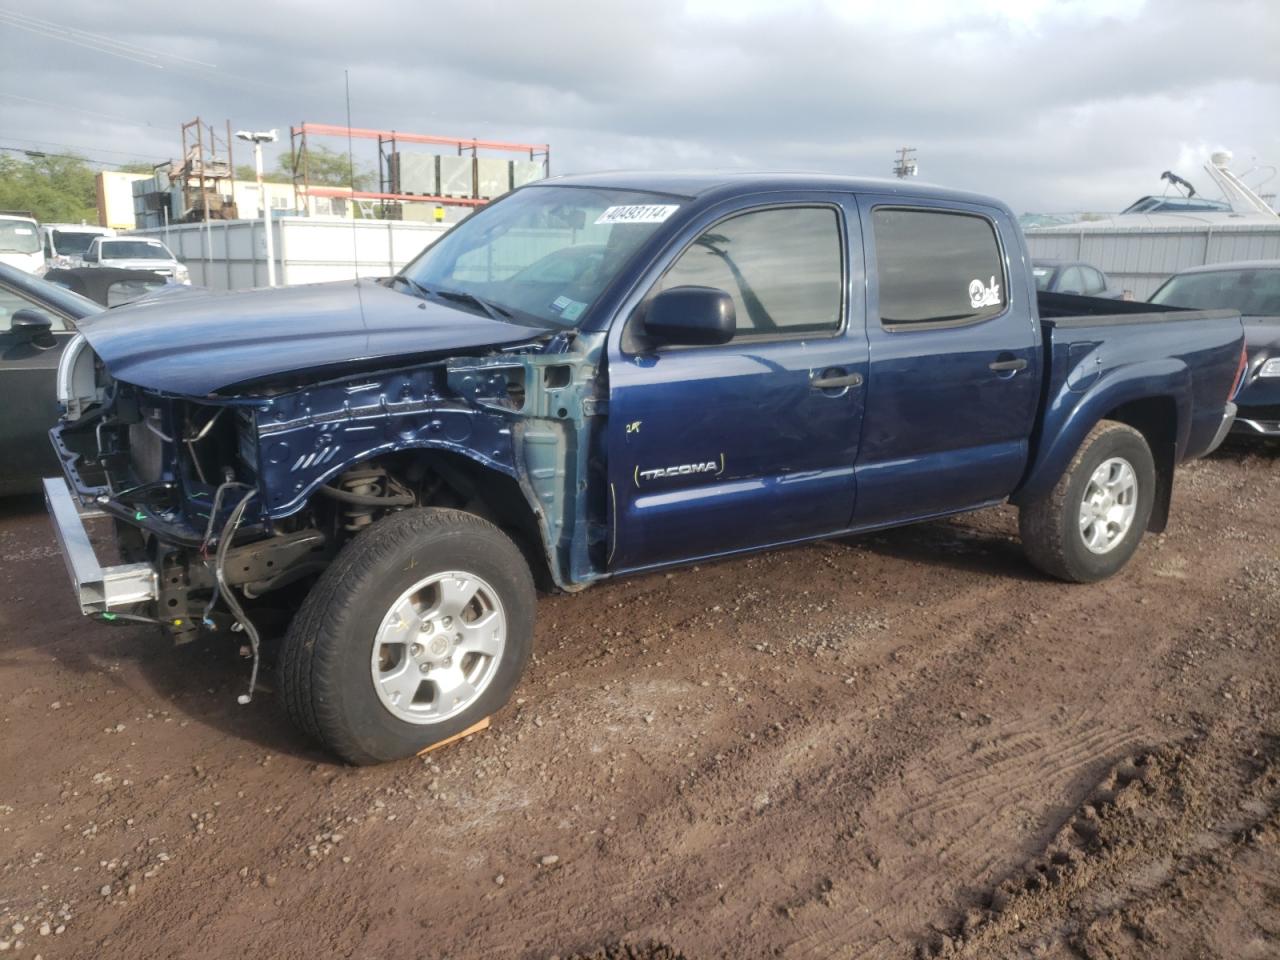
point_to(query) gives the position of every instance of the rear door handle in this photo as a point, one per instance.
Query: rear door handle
(1003, 366)
(836, 381)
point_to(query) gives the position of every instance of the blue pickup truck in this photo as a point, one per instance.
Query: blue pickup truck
(596, 376)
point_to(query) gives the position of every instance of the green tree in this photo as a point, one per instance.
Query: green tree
(327, 168)
(54, 189)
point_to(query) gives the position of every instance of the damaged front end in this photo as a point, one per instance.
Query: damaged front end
(225, 507)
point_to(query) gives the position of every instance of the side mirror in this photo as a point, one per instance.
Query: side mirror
(691, 315)
(33, 326)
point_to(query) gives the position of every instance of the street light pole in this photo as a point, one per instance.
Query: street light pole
(258, 139)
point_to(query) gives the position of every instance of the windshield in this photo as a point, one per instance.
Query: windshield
(72, 243)
(544, 252)
(134, 250)
(19, 236)
(1042, 277)
(1252, 292)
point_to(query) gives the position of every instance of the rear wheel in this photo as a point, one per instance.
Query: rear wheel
(420, 628)
(1090, 524)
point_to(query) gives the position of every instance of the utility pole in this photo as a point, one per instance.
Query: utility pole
(906, 165)
(258, 139)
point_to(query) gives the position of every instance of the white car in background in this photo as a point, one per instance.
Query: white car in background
(136, 253)
(65, 243)
(20, 243)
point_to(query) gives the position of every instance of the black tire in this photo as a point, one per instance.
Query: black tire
(1050, 526)
(325, 674)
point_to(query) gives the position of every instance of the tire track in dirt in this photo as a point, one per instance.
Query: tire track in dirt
(1101, 886)
(844, 770)
(826, 751)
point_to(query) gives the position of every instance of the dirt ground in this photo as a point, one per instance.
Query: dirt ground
(903, 745)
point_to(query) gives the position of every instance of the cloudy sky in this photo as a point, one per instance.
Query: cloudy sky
(1050, 104)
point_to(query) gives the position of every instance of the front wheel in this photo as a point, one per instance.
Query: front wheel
(420, 628)
(1090, 524)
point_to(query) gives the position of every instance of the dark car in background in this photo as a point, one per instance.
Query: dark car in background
(1070, 276)
(37, 319)
(1253, 288)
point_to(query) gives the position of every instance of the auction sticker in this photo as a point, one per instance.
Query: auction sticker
(638, 213)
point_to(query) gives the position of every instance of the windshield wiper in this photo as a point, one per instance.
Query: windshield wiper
(412, 284)
(494, 311)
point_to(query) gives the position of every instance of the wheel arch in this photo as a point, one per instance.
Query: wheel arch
(1156, 418)
(1154, 398)
(476, 485)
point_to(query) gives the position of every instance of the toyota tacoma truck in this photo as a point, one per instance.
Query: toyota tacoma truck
(597, 376)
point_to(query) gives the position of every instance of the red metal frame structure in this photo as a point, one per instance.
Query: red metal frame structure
(391, 139)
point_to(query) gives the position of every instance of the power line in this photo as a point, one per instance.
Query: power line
(37, 154)
(82, 153)
(96, 41)
(63, 106)
(74, 146)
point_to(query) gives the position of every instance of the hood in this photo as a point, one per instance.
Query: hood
(134, 263)
(1262, 333)
(205, 342)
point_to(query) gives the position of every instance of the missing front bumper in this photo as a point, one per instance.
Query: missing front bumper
(98, 589)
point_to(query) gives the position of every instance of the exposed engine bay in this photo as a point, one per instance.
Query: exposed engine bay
(238, 502)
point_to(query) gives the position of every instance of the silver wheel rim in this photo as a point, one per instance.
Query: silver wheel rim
(1109, 505)
(438, 647)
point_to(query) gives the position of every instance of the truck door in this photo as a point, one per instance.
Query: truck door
(28, 395)
(720, 448)
(955, 360)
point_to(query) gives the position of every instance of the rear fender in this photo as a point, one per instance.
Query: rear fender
(1070, 415)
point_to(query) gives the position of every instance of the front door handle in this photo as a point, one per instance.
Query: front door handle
(1008, 366)
(835, 381)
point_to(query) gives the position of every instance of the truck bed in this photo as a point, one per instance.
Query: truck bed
(1105, 358)
(1070, 310)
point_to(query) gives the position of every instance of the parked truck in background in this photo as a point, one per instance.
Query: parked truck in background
(136, 253)
(65, 244)
(597, 376)
(20, 242)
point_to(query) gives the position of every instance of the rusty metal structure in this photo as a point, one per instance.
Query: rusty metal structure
(389, 192)
(205, 173)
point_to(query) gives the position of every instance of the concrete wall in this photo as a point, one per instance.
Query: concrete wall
(231, 255)
(1142, 258)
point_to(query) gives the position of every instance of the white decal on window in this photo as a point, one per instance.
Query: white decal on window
(984, 295)
(638, 213)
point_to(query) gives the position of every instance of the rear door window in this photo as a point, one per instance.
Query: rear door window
(936, 266)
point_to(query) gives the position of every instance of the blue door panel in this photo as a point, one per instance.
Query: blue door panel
(943, 431)
(711, 517)
(908, 488)
(721, 448)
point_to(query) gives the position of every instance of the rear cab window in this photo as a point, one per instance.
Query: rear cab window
(936, 267)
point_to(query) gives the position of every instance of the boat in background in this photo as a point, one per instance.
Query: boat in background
(1157, 236)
